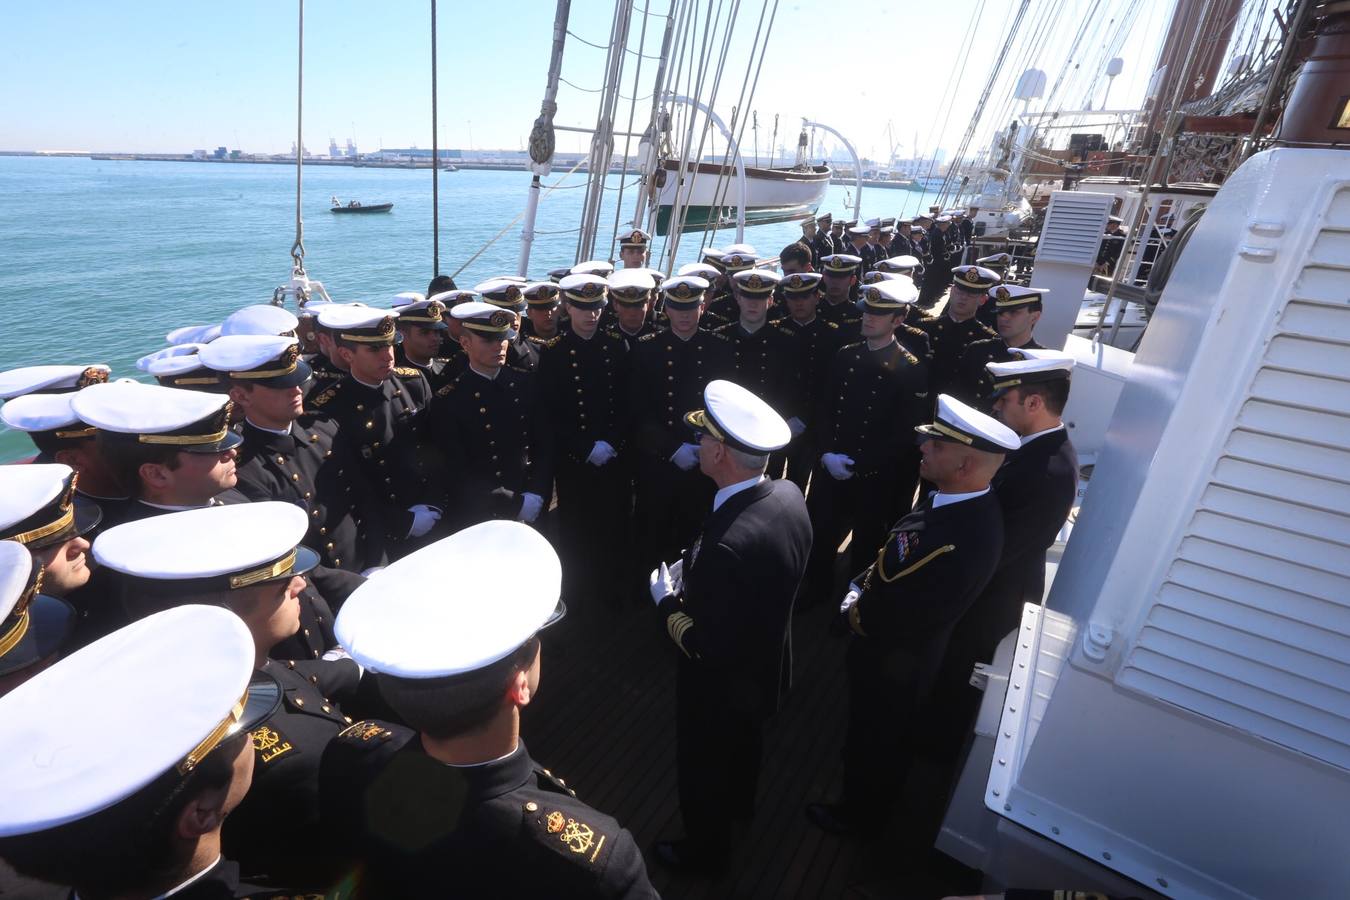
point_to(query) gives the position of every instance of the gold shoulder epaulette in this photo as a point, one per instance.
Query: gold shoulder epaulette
(829, 323)
(720, 328)
(406, 371)
(913, 360)
(323, 397)
(447, 390)
(364, 733)
(648, 337)
(916, 331)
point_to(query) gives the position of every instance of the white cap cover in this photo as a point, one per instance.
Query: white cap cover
(17, 382)
(261, 318)
(26, 489)
(740, 419)
(186, 545)
(39, 412)
(443, 611)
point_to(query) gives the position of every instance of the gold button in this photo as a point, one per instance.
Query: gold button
(299, 701)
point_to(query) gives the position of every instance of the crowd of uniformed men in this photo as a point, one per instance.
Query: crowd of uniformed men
(722, 429)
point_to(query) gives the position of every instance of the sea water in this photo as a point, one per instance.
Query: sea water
(100, 259)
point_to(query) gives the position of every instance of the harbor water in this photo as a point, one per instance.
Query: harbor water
(99, 259)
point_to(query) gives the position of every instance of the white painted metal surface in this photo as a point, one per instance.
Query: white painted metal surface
(1065, 255)
(1099, 375)
(1198, 738)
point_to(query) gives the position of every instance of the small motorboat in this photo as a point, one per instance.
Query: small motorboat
(356, 206)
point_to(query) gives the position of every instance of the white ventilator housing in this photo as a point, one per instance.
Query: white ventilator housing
(1181, 711)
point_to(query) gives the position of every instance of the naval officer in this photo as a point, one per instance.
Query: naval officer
(287, 455)
(902, 608)
(457, 807)
(422, 330)
(1036, 488)
(1017, 311)
(119, 773)
(728, 608)
(35, 627)
(248, 558)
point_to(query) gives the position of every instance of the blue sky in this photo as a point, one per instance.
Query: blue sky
(160, 76)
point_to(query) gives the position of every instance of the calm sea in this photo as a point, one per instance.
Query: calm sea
(100, 259)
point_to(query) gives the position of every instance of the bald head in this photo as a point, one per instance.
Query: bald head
(956, 468)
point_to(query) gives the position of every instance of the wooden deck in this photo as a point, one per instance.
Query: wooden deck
(604, 720)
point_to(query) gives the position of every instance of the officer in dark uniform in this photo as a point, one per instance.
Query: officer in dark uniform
(450, 348)
(723, 308)
(633, 248)
(861, 247)
(632, 293)
(1113, 244)
(431, 813)
(918, 238)
(87, 770)
(838, 242)
(510, 295)
(818, 339)
(957, 326)
(325, 368)
(964, 226)
(1018, 308)
(287, 455)
(247, 558)
(584, 386)
(41, 509)
(766, 360)
(875, 394)
(838, 293)
(422, 331)
(35, 627)
(543, 313)
(944, 249)
(669, 371)
(305, 331)
(728, 608)
(489, 422)
(808, 239)
(380, 412)
(1036, 488)
(927, 572)
(823, 245)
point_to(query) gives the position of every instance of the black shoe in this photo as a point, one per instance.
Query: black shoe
(832, 818)
(681, 856)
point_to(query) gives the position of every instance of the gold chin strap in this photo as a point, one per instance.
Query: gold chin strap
(65, 520)
(953, 433)
(11, 639)
(1002, 385)
(183, 439)
(78, 433)
(699, 418)
(214, 379)
(271, 570)
(264, 373)
(212, 740)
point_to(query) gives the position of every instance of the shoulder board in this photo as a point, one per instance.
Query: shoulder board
(407, 371)
(323, 397)
(829, 323)
(989, 331)
(575, 833)
(717, 332)
(856, 345)
(915, 331)
(544, 342)
(648, 337)
(447, 389)
(364, 733)
(913, 360)
(723, 327)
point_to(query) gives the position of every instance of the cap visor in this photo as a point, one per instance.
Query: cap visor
(87, 516)
(50, 622)
(228, 442)
(558, 613)
(929, 433)
(264, 696)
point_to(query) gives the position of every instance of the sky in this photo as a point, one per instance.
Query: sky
(153, 76)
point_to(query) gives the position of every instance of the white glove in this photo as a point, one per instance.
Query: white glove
(530, 507)
(677, 574)
(662, 584)
(423, 518)
(686, 457)
(339, 653)
(854, 592)
(601, 453)
(796, 426)
(838, 465)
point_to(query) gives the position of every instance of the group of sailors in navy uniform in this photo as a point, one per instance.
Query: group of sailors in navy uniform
(268, 618)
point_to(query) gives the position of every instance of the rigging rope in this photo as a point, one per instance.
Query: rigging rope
(509, 225)
(628, 135)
